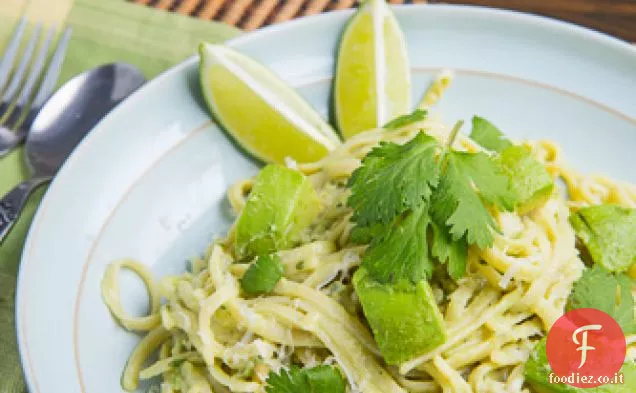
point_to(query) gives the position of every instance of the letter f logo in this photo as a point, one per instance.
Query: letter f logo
(571, 339)
(584, 347)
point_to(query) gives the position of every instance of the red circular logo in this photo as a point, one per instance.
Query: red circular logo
(585, 348)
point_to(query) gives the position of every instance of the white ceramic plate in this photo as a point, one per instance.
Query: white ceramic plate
(149, 182)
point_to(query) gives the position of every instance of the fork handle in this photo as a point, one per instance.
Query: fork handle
(13, 202)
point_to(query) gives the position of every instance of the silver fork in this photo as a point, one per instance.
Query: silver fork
(30, 85)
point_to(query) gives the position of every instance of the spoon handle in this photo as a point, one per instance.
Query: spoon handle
(12, 203)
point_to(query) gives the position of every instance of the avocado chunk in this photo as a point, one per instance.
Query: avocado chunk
(281, 204)
(403, 316)
(607, 231)
(528, 178)
(537, 373)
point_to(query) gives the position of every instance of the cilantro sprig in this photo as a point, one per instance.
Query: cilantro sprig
(410, 198)
(319, 379)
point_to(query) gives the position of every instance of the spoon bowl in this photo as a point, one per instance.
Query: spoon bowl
(74, 110)
(62, 123)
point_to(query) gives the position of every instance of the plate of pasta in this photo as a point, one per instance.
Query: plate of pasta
(388, 200)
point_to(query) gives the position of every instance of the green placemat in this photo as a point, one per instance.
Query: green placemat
(103, 31)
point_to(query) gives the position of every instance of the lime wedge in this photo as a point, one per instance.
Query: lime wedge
(372, 84)
(267, 118)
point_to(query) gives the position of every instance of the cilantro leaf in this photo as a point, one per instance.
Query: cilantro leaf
(263, 275)
(457, 204)
(393, 179)
(291, 381)
(446, 250)
(320, 379)
(610, 293)
(404, 120)
(529, 178)
(488, 136)
(364, 235)
(607, 231)
(404, 242)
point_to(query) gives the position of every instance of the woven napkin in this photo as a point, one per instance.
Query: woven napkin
(103, 31)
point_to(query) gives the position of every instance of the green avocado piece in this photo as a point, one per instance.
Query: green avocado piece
(608, 232)
(537, 374)
(529, 179)
(404, 316)
(281, 204)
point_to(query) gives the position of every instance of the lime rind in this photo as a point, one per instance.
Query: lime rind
(398, 87)
(379, 11)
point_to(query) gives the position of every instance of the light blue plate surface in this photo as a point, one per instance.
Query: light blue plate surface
(149, 182)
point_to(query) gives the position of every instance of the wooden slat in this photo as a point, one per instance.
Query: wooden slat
(616, 17)
(288, 11)
(316, 7)
(578, 6)
(165, 4)
(211, 8)
(260, 14)
(234, 14)
(343, 4)
(187, 6)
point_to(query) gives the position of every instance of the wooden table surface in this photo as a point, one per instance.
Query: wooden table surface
(615, 17)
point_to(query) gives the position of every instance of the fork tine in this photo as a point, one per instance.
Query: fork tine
(16, 80)
(9, 54)
(53, 71)
(21, 120)
(22, 105)
(22, 112)
(36, 69)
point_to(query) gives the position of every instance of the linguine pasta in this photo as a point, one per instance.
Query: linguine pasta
(211, 339)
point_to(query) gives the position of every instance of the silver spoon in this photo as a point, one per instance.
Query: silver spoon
(62, 123)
